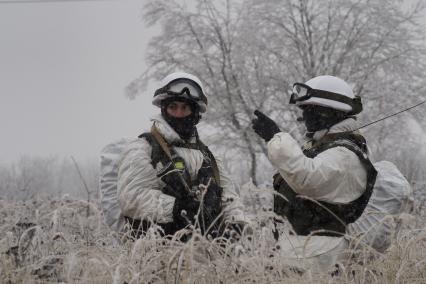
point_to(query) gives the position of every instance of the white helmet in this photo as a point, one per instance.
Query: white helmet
(326, 91)
(182, 85)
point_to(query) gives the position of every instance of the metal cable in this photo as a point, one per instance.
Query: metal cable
(386, 117)
(46, 1)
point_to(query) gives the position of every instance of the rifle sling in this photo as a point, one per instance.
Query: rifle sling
(161, 141)
(163, 144)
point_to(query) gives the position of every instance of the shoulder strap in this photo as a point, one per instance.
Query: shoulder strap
(157, 154)
(160, 148)
(357, 144)
(210, 155)
(160, 139)
(343, 137)
(354, 142)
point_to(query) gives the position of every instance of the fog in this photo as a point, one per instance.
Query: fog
(63, 70)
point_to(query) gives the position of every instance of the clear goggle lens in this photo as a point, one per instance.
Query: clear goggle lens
(182, 88)
(300, 93)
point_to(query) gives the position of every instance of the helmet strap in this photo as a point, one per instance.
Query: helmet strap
(355, 103)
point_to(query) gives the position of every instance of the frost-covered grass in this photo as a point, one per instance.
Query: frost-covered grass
(66, 241)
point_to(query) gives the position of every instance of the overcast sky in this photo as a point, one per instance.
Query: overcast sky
(63, 70)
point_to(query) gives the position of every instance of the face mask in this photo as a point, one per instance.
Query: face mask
(317, 118)
(184, 126)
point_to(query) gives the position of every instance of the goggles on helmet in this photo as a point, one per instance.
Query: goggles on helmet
(302, 92)
(183, 88)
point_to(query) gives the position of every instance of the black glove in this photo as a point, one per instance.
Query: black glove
(212, 202)
(184, 211)
(176, 178)
(264, 126)
(205, 173)
(185, 207)
(178, 185)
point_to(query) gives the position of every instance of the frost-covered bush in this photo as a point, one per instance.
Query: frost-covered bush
(65, 240)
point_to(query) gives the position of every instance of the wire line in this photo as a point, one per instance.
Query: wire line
(46, 1)
(386, 117)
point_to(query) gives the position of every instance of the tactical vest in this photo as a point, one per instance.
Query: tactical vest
(212, 200)
(319, 217)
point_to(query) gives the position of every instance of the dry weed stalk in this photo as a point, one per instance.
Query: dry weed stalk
(54, 241)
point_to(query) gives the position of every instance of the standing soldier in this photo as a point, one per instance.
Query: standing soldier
(325, 185)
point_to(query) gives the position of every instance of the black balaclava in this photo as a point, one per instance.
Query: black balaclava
(184, 126)
(318, 118)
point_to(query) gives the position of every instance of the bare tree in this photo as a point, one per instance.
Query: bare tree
(377, 46)
(249, 53)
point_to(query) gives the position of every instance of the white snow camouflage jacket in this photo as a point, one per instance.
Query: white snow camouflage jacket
(335, 176)
(139, 189)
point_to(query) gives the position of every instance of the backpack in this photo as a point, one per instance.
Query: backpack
(110, 157)
(391, 196)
